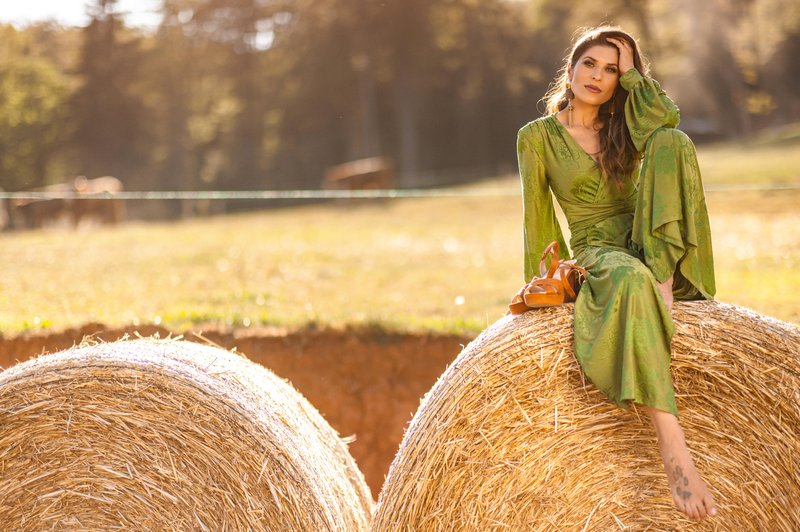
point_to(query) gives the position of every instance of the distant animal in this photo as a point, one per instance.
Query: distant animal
(104, 210)
(79, 204)
(374, 173)
(38, 213)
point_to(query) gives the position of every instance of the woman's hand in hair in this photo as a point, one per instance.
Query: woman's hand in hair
(625, 54)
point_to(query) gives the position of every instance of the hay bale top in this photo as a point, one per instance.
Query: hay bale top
(512, 438)
(165, 434)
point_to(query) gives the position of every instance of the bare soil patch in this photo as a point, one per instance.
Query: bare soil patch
(365, 383)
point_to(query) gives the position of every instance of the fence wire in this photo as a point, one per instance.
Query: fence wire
(320, 194)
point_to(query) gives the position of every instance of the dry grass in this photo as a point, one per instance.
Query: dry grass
(511, 438)
(768, 160)
(404, 264)
(165, 435)
(445, 265)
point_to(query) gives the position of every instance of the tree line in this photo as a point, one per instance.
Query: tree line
(265, 94)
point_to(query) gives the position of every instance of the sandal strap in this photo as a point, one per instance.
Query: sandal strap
(572, 276)
(517, 305)
(567, 283)
(546, 285)
(544, 272)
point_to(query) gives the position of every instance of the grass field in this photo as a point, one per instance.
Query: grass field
(442, 265)
(772, 159)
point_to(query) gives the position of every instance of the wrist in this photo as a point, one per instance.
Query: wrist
(629, 78)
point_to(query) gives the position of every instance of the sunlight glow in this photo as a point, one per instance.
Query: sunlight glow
(74, 12)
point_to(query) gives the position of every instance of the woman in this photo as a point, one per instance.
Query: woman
(629, 185)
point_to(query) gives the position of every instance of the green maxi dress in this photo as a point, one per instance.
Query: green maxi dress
(628, 237)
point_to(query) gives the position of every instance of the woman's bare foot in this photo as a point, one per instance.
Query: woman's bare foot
(690, 493)
(666, 291)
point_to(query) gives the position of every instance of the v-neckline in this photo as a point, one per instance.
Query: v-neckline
(565, 131)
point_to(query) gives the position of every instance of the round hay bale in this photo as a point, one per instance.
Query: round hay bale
(168, 435)
(512, 438)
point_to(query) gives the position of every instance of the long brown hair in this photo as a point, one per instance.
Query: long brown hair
(618, 155)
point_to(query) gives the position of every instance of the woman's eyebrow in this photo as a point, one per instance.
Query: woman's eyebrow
(597, 61)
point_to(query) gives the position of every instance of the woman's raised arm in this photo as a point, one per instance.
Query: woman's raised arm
(647, 108)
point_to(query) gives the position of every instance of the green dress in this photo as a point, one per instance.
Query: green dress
(629, 237)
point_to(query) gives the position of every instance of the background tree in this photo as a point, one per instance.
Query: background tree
(32, 96)
(269, 93)
(109, 117)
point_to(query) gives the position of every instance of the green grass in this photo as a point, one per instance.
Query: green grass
(434, 265)
(774, 160)
(401, 263)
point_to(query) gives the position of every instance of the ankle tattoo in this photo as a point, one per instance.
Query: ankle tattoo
(680, 481)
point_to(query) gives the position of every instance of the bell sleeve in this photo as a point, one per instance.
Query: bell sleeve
(540, 225)
(647, 107)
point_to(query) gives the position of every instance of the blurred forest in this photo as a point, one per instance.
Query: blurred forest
(265, 94)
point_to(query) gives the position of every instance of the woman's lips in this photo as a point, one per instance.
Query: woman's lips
(592, 88)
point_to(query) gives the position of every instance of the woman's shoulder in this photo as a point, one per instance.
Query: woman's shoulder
(536, 130)
(539, 124)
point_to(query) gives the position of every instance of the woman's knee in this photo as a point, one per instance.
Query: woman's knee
(671, 148)
(669, 136)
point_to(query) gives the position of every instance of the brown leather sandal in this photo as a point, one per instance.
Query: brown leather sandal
(556, 285)
(538, 293)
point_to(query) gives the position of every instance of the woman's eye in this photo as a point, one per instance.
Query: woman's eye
(612, 70)
(588, 63)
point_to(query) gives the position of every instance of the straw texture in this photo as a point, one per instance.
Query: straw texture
(168, 435)
(511, 438)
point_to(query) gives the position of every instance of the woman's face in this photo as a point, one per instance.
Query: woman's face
(595, 75)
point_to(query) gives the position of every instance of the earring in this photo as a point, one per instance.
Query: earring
(570, 96)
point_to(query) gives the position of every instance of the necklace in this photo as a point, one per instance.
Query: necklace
(593, 128)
